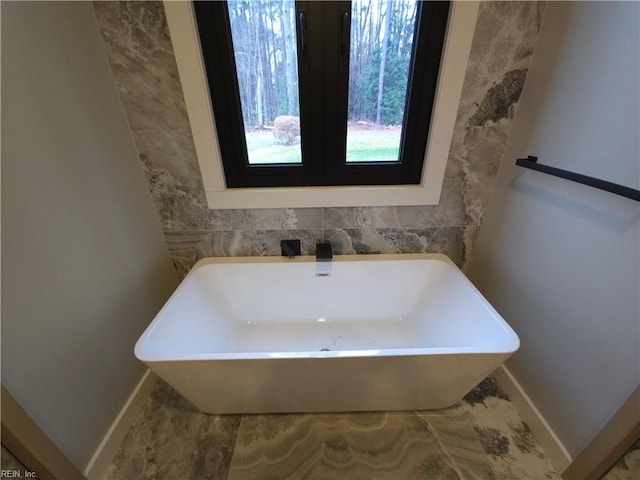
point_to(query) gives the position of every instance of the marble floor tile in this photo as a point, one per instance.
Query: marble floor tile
(510, 447)
(628, 467)
(480, 438)
(454, 430)
(380, 445)
(9, 463)
(171, 439)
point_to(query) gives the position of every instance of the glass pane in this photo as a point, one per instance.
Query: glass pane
(381, 45)
(264, 44)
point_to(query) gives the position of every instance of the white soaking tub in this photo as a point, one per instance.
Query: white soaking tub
(272, 334)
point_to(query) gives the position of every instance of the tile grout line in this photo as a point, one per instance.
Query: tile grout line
(442, 447)
(233, 450)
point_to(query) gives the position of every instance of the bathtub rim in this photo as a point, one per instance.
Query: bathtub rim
(512, 345)
(388, 352)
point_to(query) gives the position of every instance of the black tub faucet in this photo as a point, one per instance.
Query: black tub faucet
(323, 252)
(290, 248)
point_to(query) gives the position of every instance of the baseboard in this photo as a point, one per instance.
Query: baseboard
(103, 455)
(553, 447)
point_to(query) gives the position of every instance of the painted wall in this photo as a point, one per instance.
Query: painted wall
(139, 48)
(84, 263)
(561, 261)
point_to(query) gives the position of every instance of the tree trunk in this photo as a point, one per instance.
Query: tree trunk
(260, 48)
(290, 56)
(273, 66)
(383, 61)
(260, 119)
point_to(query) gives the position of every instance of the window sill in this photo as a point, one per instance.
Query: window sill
(182, 27)
(301, 197)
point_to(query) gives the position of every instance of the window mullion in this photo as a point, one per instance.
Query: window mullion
(336, 36)
(309, 38)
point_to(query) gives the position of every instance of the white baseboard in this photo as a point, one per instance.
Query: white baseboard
(553, 447)
(103, 455)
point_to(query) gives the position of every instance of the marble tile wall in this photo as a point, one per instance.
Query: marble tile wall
(139, 49)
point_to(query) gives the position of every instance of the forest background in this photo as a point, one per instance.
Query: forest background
(266, 62)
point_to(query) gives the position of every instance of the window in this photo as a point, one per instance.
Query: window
(189, 59)
(322, 93)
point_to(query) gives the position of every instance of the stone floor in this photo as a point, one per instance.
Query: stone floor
(9, 463)
(628, 467)
(482, 437)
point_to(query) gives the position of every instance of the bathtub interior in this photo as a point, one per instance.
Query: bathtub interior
(381, 305)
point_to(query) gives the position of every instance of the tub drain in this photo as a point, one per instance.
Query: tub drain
(325, 350)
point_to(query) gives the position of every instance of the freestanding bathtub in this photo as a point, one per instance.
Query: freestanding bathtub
(364, 332)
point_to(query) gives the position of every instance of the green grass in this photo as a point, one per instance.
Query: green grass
(366, 146)
(275, 154)
(373, 146)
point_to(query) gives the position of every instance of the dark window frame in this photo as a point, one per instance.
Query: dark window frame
(323, 89)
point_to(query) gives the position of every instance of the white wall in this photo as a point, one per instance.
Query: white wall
(84, 263)
(559, 260)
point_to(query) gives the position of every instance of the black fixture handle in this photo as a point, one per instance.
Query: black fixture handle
(344, 30)
(290, 248)
(532, 163)
(303, 32)
(324, 252)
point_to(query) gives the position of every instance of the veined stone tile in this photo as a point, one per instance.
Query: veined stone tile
(183, 265)
(447, 240)
(511, 448)
(387, 240)
(339, 217)
(480, 438)
(488, 388)
(470, 237)
(139, 48)
(11, 463)
(376, 217)
(482, 150)
(201, 244)
(499, 103)
(453, 428)
(169, 163)
(628, 467)
(187, 247)
(282, 219)
(338, 446)
(172, 151)
(341, 241)
(503, 44)
(244, 243)
(474, 147)
(247, 243)
(171, 439)
(308, 218)
(450, 212)
(453, 172)
(474, 160)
